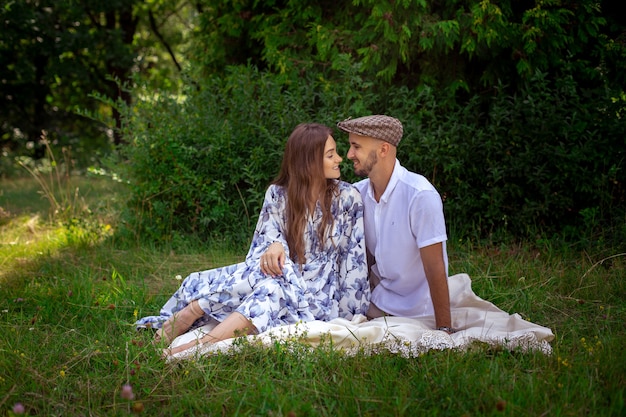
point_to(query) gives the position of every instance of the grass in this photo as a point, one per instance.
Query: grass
(70, 291)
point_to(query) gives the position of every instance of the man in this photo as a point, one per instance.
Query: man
(405, 231)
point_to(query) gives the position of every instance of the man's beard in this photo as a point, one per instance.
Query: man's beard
(366, 167)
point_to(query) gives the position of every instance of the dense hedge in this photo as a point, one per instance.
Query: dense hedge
(202, 165)
(546, 160)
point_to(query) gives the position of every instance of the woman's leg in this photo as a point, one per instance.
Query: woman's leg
(179, 322)
(234, 325)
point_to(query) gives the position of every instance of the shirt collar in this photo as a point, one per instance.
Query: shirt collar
(393, 181)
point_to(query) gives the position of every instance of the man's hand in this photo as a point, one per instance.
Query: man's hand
(273, 260)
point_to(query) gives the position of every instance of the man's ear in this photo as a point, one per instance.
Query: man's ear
(384, 148)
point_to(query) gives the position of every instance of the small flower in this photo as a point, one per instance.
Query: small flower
(62, 373)
(18, 408)
(564, 362)
(127, 392)
(178, 277)
(135, 314)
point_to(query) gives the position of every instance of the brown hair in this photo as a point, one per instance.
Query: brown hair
(302, 176)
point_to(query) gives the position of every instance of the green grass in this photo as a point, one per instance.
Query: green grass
(68, 298)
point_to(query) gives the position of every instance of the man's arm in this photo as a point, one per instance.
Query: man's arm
(435, 269)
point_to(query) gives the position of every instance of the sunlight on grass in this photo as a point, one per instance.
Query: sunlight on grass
(29, 228)
(24, 238)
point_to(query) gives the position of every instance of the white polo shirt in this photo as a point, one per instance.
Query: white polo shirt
(409, 216)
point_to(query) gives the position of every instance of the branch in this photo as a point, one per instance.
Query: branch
(155, 29)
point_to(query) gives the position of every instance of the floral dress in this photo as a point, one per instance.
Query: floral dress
(332, 283)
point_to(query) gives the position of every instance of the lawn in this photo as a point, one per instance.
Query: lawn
(71, 288)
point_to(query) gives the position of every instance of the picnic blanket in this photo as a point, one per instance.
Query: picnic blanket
(477, 320)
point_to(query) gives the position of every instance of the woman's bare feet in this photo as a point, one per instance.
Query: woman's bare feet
(233, 326)
(172, 351)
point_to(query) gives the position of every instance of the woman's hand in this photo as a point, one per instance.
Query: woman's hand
(273, 260)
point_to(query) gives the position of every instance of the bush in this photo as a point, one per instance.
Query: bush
(547, 160)
(202, 165)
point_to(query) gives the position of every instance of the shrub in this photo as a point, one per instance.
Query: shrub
(201, 165)
(547, 160)
(543, 161)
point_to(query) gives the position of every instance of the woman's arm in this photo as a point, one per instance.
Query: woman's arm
(269, 234)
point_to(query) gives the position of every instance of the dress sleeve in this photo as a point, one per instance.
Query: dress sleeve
(270, 227)
(354, 294)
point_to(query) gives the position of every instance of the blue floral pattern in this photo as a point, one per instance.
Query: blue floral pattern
(333, 282)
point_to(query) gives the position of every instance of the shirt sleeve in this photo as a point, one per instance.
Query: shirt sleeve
(427, 219)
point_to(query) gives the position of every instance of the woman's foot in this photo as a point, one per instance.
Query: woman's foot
(172, 351)
(233, 326)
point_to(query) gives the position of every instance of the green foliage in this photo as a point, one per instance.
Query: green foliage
(452, 45)
(54, 54)
(539, 161)
(470, 79)
(201, 163)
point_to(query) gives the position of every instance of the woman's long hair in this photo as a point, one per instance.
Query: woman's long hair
(302, 176)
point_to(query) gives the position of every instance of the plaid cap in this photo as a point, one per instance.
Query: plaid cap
(378, 126)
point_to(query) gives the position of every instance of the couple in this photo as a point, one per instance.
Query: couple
(308, 259)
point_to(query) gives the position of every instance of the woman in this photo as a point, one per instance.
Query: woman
(306, 261)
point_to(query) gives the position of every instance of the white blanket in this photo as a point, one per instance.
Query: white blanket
(475, 319)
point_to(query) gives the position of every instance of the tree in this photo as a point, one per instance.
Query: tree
(55, 54)
(451, 44)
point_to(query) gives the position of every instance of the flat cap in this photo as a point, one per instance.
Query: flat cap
(377, 126)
